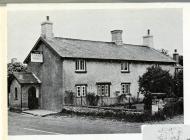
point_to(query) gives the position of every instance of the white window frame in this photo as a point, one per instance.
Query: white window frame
(80, 65)
(124, 66)
(125, 88)
(103, 89)
(81, 90)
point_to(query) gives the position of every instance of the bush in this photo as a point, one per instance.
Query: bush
(69, 97)
(155, 80)
(92, 99)
(172, 109)
(178, 84)
(169, 110)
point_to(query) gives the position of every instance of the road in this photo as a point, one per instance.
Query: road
(23, 124)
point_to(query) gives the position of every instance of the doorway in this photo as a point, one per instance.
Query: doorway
(32, 99)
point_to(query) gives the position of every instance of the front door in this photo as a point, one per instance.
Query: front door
(32, 99)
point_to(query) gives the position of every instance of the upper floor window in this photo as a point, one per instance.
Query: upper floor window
(124, 67)
(103, 89)
(81, 90)
(125, 88)
(80, 65)
(16, 94)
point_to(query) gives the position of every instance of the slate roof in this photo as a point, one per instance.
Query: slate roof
(26, 78)
(77, 48)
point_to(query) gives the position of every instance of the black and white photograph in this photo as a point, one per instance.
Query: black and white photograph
(93, 71)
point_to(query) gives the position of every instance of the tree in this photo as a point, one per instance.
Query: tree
(165, 52)
(14, 67)
(178, 84)
(181, 60)
(155, 80)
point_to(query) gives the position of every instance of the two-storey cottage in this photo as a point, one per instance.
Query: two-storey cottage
(82, 66)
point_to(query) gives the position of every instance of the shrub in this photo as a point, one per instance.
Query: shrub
(172, 109)
(178, 84)
(69, 97)
(155, 80)
(121, 97)
(169, 110)
(92, 99)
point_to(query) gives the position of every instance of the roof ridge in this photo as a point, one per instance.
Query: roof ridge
(100, 41)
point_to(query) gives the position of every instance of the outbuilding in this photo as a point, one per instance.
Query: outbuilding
(24, 91)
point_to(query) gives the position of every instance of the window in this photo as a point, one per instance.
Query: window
(124, 67)
(80, 66)
(16, 94)
(81, 90)
(103, 89)
(125, 88)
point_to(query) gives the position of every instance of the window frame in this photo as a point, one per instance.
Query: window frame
(125, 64)
(103, 88)
(80, 65)
(124, 89)
(82, 88)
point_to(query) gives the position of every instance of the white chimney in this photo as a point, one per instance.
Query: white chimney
(47, 29)
(148, 39)
(176, 56)
(14, 60)
(117, 37)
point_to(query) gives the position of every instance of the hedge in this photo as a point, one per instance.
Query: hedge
(169, 111)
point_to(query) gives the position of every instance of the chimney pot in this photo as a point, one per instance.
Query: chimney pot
(117, 37)
(148, 31)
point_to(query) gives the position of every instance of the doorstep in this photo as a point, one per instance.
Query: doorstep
(39, 112)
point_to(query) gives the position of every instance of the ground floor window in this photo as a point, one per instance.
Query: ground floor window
(103, 89)
(81, 90)
(125, 88)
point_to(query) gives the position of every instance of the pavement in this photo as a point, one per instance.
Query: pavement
(27, 124)
(39, 112)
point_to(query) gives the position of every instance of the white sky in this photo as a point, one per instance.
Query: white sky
(165, 24)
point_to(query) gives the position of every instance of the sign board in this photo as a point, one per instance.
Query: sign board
(37, 57)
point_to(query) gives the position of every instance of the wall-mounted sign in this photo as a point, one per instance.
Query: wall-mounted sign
(37, 57)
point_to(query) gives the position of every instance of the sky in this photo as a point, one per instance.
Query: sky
(24, 27)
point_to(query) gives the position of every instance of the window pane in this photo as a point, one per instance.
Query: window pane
(106, 90)
(77, 65)
(103, 91)
(83, 90)
(78, 91)
(121, 66)
(126, 66)
(81, 64)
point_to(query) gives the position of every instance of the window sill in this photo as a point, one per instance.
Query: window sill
(80, 71)
(125, 71)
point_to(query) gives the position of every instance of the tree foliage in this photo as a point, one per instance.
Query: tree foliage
(178, 84)
(155, 80)
(16, 67)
